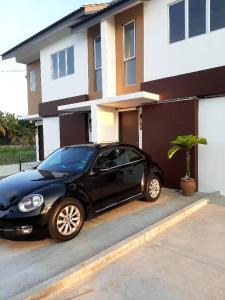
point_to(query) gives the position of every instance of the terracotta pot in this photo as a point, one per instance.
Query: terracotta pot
(188, 186)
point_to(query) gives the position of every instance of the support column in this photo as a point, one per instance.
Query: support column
(108, 57)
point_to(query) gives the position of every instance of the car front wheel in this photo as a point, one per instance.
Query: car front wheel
(153, 189)
(66, 220)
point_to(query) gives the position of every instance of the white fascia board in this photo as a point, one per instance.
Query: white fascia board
(122, 101)
(30, 118)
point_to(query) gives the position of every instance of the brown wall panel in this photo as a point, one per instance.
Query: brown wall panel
(34, 98)
(161, 124)
(50, 108)
(73, 129)
(201, 83)
(134, 13)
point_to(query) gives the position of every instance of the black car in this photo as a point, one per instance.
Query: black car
(74, 184)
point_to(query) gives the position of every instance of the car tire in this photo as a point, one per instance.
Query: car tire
(153, 189)
(66, 220)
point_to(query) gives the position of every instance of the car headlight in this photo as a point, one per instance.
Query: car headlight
(30, 203)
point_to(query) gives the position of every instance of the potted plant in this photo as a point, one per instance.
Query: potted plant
(186, 143)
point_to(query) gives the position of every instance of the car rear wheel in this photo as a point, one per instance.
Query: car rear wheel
(153, 189)
(66, 220)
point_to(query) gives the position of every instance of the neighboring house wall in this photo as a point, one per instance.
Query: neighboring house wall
(71, 85)
(34, 92)
(51, 134)
(211, 157)
(163, 59)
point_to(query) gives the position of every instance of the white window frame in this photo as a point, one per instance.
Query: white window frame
(134, 56)
(57, 53)
(33, 84)
(97, 68)
(186, 14)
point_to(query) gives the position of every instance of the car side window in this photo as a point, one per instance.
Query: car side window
(133, 155)
(111, 158)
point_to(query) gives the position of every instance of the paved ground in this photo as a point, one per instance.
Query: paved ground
(185, 262)
(25, 264)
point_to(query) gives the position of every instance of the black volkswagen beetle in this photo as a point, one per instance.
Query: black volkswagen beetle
(74, 184)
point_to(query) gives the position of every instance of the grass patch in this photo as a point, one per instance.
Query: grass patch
(12, 155)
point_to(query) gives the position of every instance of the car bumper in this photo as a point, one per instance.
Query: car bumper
(22, 226)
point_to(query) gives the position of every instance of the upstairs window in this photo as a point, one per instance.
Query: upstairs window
(177, 21)
(189, 18)
(32, 81)
(98, 63)
(62, 63)
(197, 17)
(129, 53)
(217, 14)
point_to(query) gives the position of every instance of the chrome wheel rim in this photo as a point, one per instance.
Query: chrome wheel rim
(154, 188)
(68, 220)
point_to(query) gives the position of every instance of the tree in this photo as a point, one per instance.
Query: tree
(17, 131)
(186, 143)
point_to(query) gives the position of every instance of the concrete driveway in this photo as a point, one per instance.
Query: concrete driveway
(185, 262)
(24, 264)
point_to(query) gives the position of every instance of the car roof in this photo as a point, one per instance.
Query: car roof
(101, 145)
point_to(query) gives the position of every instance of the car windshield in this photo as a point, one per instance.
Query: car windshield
(68, 160)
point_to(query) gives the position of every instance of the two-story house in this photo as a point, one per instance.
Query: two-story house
(135, 71)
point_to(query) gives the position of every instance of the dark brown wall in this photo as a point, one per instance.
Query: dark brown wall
(201, 83)
(134, 13)
(161, 124)
(73, 129)
(34, 98)
(50, 109)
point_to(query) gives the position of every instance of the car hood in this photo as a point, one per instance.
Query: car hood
(16, 186)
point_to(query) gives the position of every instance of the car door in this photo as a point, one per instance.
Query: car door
(107, 182)
(135, 170)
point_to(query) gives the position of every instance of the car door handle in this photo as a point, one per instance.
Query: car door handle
(131, 171)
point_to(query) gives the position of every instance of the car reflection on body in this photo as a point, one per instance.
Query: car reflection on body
(74, 184)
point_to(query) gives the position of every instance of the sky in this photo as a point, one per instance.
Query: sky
(19, 19)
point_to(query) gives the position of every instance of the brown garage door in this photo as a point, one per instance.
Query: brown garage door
(128, 127)
(73, 129)
(160, 124)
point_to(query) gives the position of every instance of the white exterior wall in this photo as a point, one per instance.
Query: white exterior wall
(104, 124)
(212, 157)
(71, 85)
(51, 134)
(162, 59)
(108, 57)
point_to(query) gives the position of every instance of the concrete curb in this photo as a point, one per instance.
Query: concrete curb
(49, 288)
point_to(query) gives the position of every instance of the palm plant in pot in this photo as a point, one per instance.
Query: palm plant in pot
(186, 143)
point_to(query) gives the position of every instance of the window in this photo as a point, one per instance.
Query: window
(98, 63)
(62, 63)
(112, 158)
(68, 160)
(197, 17)
(177, 21)
(134, 156)
(32, 81)
(201, 16)
(217, 14)
(129, 53)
